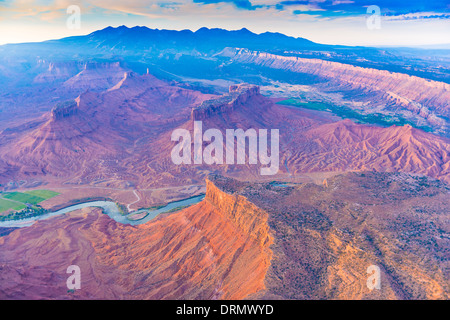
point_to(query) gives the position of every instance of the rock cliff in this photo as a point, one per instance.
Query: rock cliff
(217, 249)
(245, 215)
(238, 95)
(64, 110)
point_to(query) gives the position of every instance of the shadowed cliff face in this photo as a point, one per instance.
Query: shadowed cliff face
(64, 110)
(217, 249)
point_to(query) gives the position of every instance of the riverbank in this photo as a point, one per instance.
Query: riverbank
(109, 207)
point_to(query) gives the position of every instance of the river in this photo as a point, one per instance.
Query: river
(109, 208)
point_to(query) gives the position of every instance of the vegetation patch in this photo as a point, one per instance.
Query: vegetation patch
(24, 202)
(46, 194)
(178, 208)
(23, 197)
(348, 113)
(7, 205)
(25, 212)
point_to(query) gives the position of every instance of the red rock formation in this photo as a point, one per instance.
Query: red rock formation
(323, 240)
(64, 110)
(123, 136)
(238, 96)
(96, 76)
(217, 249)
(248, 218)
(56, 71)
(344, 146)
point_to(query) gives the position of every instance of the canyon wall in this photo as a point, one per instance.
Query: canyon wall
(323, 240)
(326, 237)
(245, 215)
(418, 95)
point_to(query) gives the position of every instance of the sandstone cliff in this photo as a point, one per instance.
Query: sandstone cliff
(55, 71)
(245, 215)
(64, 110)
(217, 249)
(238, 95)
(96, 76)
(323, 240)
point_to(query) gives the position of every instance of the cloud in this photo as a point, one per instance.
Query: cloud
(240, 4)
(161, 8)
(336, 2)
(415, 16)
(321, 20)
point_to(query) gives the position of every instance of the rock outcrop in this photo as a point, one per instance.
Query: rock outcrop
(238, 95)
(248, 240)
(55, 71)
(64, 109)
(96, 76)
(326, 238)
(344, 145)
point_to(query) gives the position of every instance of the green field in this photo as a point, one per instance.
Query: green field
(46, 194)
(348, 113)
(23, 197)
(6, 205)
(20, 199)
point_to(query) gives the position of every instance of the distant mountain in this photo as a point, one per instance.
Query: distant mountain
(203, 39)
(142, 40)
(193, 53)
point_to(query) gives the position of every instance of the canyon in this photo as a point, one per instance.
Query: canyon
(425, 98)
(247, 240)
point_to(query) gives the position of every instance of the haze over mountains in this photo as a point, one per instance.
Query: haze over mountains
(363, 172)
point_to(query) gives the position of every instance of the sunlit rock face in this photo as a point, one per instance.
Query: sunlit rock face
(217, 249)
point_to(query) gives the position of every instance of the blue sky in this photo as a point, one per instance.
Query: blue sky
(324, 21)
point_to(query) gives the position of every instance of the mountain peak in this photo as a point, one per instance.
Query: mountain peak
(245, 30)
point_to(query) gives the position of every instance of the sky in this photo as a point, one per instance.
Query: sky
(346, 22)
